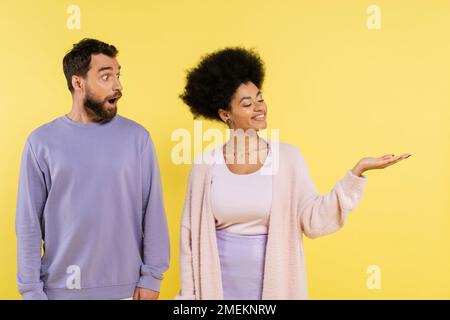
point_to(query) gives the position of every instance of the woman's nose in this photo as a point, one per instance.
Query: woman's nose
(258, 105)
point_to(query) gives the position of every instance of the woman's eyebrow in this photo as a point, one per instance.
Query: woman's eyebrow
(257, 94)
(244, 98)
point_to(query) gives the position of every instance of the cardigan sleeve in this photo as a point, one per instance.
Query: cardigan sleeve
(187, 291)
(320, 215)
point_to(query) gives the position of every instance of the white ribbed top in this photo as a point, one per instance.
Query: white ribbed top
(241, 203)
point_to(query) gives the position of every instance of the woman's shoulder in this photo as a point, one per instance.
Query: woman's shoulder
(285, 150)
(208, 157)
(204, 161)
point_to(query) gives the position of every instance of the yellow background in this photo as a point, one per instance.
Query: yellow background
(334, 88)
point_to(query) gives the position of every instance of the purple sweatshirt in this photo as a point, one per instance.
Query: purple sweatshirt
(90, 196)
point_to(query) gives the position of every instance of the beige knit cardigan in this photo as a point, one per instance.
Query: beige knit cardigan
(297, 208)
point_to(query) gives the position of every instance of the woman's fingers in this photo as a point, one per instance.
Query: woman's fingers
(406, 155)
(393, 157)
(392, 160)
(403, 156)
(384, 161)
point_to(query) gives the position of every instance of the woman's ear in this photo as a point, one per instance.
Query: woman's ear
(224, 115)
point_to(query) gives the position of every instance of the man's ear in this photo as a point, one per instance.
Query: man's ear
(77, 82)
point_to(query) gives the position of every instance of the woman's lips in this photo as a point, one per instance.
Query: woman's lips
(260, 117)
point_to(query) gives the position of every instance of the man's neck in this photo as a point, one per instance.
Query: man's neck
(82, 115)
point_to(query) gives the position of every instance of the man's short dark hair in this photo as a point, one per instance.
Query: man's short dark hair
(77, 61)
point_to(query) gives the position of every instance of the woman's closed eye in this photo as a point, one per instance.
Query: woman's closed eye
(260, 97)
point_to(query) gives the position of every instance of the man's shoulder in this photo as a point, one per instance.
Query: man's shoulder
(133, 126)
(44, 131)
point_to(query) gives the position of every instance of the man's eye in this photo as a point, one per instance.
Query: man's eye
(105, 77)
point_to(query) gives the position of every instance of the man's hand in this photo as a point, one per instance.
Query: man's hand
(145, 294)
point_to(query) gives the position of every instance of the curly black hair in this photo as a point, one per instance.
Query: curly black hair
(210, 86)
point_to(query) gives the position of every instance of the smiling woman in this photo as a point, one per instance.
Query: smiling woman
(243, 219)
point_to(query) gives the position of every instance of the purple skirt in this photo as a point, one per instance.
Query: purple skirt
(242, 264)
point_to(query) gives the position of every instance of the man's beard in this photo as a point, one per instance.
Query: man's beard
(99, 107)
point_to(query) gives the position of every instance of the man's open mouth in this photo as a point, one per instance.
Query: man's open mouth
(113, 100)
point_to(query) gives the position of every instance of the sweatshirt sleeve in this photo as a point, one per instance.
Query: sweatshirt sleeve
(325, 214)
(156, 242)
(187, 291)
(32, 195)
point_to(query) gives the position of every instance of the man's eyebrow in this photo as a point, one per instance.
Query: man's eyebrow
(106, 68)
(103, 69)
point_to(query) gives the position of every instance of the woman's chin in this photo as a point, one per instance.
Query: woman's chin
(259, 123)
(260, 127)
(253, 127)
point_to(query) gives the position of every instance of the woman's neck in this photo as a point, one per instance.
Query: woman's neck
(245, 146)
(243, 142)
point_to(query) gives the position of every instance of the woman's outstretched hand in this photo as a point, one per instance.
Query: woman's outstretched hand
(370, 163)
